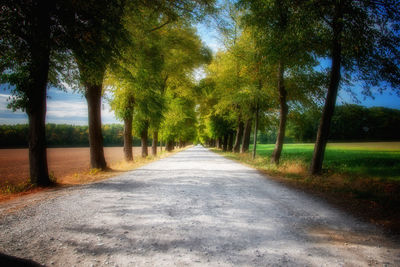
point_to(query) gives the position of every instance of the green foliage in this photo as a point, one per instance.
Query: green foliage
(61, 135)
(180, 121)
(349, 123)
(156, 72)
(369, 38)
(29, 30)
(95, 34)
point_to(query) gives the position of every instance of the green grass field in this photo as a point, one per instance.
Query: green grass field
(378, 159)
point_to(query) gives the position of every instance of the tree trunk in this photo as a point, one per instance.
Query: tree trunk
(219, 142)
(143, 137)
(128, 139)
(276, 154)
(329, 108)
(225, 145)
(230, 142)
(154, 144)
(255, 133)
(169, 146)
(36, 94)
(93, 98)
(246, 136)
(239, 136)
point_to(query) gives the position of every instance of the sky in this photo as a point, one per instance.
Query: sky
(68, 107)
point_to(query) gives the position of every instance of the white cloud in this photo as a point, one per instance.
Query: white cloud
(63, 109)
(70, 111)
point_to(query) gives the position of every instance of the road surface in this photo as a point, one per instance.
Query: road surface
(194, 208)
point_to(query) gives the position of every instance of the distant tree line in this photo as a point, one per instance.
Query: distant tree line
(349, 123)
(62, 135)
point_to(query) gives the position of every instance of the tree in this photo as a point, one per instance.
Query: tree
(122, 102)
(361, 38)
(164, 47)
(26, 30)
(94, 32)
(281, 33)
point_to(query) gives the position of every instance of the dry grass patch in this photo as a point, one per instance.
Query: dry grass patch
(116, 168)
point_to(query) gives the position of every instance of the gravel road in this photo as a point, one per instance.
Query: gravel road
(194, 208)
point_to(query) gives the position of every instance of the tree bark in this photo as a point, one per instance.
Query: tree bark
(154, 144)
(93, 98)
(246, 136)
(128, 139)
(36, 93)
(143, 137)
(239, 136)
(219, 142)
(169, 146)
(225, 145)
(230, 142)
(276, 154)
(329, 108)
(255, 133)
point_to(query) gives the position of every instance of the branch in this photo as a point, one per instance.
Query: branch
(159, 27)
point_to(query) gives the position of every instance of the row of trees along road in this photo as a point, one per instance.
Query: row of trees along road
(142, 53)
(271, 65)
(77, 43)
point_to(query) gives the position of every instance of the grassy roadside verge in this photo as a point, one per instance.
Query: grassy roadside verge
(11, 191)
(348, 182)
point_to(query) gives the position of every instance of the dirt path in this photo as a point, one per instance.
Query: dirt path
(193, 208)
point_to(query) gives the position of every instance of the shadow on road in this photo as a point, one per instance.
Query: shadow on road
(7, 260)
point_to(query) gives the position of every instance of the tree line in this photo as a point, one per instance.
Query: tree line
(271, 68)
(62, 135)
(142, 52)
(349, 123)
(140, 56)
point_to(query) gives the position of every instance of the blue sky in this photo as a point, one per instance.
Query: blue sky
(71, 108)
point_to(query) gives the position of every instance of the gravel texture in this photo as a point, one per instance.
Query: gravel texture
(194, 208)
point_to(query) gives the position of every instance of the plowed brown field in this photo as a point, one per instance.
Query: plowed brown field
(14, 165)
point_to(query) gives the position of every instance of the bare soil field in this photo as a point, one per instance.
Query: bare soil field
(14, 164)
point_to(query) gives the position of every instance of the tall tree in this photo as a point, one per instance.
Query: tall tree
(123, 103)
(95, 31)
(26, 31)
(282, 33)
(361, 38)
